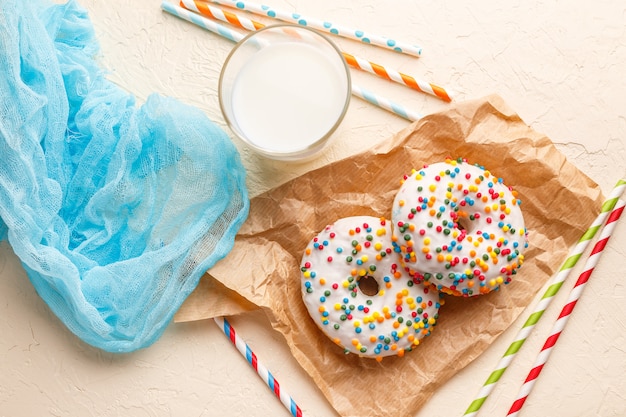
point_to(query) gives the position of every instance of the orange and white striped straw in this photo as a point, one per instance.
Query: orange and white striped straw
(217, 13)
(232, 35)
(396, 76)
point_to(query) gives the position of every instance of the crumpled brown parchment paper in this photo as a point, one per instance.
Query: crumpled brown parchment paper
(559, 202)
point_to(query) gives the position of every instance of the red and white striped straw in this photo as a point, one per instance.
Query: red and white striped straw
(561, 321)
(261, 370)
(551, 291)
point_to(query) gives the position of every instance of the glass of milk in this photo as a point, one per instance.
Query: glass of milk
(283, 91)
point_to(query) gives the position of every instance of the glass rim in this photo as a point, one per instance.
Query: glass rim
(311, 147)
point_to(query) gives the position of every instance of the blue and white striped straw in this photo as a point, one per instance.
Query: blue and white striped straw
(384, 103)
(203, 22)
(235, 36)
(324, 26)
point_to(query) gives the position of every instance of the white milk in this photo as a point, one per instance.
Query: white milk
(288, 96)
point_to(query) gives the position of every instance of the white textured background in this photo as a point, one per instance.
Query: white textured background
(560, 65)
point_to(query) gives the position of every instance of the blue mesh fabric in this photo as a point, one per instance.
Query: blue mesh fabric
(115, 209)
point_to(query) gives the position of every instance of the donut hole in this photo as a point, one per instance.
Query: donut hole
(464, 222)
(368, 285)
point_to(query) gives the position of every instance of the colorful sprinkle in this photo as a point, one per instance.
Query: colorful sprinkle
(376, 325)
(463, 213)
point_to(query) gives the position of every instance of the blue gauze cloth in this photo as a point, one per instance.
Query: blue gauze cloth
(115, 210)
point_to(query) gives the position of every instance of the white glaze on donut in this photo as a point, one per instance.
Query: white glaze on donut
(335, 267)
(459, 227)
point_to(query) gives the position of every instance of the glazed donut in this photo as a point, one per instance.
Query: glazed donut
(359, 295)
(459, 227)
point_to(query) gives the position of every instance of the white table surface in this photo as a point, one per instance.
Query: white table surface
(560, 65)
